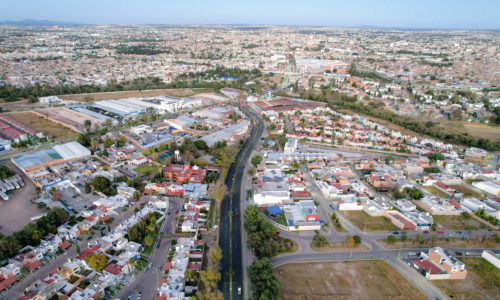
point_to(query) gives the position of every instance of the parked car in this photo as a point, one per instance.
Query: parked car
(239, 291)
(426, 231)
(395, 232)
(468, 253)
(412, 253)
(458, 253)
(277, 233)
(440, 232)
(215, 227)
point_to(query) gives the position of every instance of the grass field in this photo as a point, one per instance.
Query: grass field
(475, 130)
(128, 94)
(339, 246)
(483, 131)
(458, 223)
(366, 222)
(435, 191)
(482, 281)
(445, 243)
(39, 123)
(467, 192)
(147, 169)
(343, 280)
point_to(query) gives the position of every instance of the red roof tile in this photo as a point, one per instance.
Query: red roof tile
(7, 282)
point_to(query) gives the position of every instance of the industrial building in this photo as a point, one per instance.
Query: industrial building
(58, 154)
(229, 134)
(132, 106)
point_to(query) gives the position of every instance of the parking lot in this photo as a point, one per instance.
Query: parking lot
(17, 212)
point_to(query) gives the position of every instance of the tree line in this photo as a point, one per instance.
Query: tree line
(32, 233)
(11, 93)
(262, 241)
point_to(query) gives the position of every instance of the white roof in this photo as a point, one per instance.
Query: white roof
(71, 150)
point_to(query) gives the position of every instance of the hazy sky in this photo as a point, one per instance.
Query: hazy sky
(474, 14)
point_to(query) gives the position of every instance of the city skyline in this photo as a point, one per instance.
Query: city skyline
(378, 14)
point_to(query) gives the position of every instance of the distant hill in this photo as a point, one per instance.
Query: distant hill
(31, 22)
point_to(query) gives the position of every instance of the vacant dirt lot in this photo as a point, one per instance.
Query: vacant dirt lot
(17, 212)
(458, 223)
(483, 131)
(482, 282)
(91, 97)
(366, 222)
(343, 280)
(39, 123)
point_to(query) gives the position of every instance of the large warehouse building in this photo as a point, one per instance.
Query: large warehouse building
(48, 157)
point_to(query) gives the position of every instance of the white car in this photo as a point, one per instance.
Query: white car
(412, 253)
(215, 227)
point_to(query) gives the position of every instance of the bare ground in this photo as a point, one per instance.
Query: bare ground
(458, 223)
(482, 281)
(39, 123)
(343, 280)
(17, 212)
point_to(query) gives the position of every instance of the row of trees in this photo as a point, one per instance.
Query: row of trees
(413, 193)
(144, 231)
(190, 80)
(103, 185)
(211, 277)
(32, 233)
(262, 240)
(5, 172)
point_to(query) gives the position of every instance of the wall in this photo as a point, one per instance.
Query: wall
(437, 276)
(492, 258)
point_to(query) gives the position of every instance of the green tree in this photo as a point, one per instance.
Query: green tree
(357, 239)
(319, 240)
(282, 141)
(97, 261)
(256, 159)
(350, 242)
(210, 277)
(103, 184)
(5, 172)
(87, 124)
(264, 284)
(435, 156)
(215, 255)
(83, 139)
(108, 143)
(149, 240)
(404, 238)
(416, 193)
(391, 239)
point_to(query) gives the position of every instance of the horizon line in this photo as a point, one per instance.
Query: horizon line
(403, 28)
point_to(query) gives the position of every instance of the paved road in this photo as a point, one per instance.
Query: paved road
(230, 227)
(398, 259)
(146, 282)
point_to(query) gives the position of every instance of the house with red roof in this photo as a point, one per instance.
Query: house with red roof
(112, 268)
(87, 252)
(6, 282)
